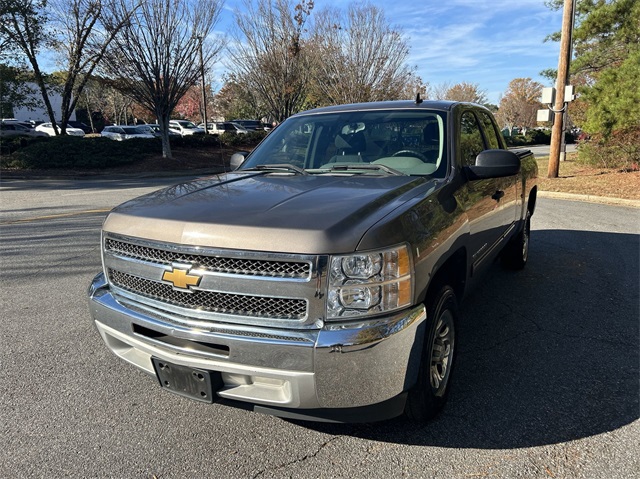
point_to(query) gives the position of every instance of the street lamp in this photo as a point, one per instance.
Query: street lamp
(204, 93)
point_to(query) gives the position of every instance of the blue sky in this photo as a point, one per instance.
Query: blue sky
(488, 43)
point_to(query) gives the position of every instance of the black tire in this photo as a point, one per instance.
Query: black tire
(430, 393)
(516, 253)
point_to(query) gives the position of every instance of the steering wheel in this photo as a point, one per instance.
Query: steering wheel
(417, 154)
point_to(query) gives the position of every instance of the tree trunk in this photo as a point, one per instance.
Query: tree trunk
(164, 130)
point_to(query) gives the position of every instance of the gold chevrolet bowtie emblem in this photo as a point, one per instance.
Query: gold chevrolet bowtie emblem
(181, 279)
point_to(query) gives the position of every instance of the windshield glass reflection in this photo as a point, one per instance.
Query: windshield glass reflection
(408, 141)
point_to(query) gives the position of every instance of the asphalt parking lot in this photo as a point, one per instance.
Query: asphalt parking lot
(546, 384)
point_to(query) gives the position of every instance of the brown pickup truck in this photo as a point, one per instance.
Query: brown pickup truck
(320, 278)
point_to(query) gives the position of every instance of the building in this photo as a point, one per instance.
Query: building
(40, 112)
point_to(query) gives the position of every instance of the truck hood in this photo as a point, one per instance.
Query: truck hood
(315, 214)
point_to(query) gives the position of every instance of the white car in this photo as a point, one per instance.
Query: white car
(185, 127)
(48, 129)
(210, 127)
(154, 129)
(116, 132)
(219, 128)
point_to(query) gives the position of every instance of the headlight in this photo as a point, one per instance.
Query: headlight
(369, 283)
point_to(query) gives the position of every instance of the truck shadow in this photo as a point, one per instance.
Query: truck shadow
(546, 355)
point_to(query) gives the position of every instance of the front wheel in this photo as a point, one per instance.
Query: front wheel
(516, 253)
(431, 390)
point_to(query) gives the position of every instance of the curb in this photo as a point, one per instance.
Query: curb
(606, 200)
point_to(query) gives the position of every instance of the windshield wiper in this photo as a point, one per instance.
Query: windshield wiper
(367, 166)
(279, 167)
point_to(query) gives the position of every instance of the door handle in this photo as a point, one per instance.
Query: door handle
(497, 195)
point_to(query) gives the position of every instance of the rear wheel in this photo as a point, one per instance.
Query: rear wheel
(430, 393)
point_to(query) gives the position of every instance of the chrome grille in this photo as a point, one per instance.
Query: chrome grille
(217, 264)
(212, 301)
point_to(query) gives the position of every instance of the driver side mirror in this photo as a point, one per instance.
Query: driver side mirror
(494, 164)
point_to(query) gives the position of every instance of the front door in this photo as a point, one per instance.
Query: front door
(489, 203)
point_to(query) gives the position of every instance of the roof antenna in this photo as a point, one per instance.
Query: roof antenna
(418, 99)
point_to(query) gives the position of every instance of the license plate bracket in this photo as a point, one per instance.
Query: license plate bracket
(194, 383)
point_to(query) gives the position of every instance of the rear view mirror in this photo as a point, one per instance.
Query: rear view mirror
(237, 159)
(352, 128)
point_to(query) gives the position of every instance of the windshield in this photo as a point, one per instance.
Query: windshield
(406, 141)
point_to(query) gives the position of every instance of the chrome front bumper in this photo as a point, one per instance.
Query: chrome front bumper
(342, 365)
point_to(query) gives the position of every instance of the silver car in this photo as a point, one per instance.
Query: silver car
(120, 133)
(11, 128)
(154, 129)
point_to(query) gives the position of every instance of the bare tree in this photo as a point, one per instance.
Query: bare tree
(156, 56)
(416, 85)
(23, 26)
(94, 99)
(270, 56)
(79, 30)
(465, 91)
(520, 103)
(359, 56)
(439, 91)
(236, 101)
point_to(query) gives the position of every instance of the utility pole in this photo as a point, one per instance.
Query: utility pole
(564, 60)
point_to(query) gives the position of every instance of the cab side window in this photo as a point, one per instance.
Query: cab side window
(489, 131)
(471, 142)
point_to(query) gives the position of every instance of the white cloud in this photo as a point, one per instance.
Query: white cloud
(489, 43)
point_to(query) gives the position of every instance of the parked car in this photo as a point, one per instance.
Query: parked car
(154, 129)
(252, 125)
(78, 124)
(185, 127)
(116, 132)
(11, 129)
(48, 129)
(227, 127)
(209, 127)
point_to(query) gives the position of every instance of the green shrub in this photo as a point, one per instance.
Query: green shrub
(538, 137)
(195, 141)
(515, 140)
(250, 139)
(98, 153)
(9, 145)
(621, 151)
(78, 153)
(535, 137)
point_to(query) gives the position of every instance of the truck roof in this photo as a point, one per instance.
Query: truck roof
(444, 105)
